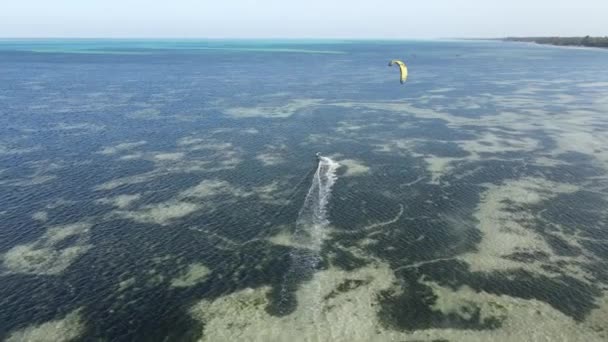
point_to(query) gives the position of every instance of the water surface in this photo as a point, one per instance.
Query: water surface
(169, 190)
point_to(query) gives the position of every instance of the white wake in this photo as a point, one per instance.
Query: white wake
(312, 219)
(311, 227)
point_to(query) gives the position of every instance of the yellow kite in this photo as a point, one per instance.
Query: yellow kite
(402, 68)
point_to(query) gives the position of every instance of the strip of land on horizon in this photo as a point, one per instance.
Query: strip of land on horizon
(586, 41)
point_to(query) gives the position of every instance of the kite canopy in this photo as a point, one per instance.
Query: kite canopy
(402, 69)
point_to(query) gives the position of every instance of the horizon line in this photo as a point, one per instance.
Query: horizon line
(251, 38)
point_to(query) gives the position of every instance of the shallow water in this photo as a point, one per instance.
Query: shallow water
(169, 190)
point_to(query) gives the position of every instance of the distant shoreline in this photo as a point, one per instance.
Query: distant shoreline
(588, 42)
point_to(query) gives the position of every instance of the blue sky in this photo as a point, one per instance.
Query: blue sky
(301, 19)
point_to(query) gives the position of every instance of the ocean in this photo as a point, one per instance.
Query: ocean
(169, 190)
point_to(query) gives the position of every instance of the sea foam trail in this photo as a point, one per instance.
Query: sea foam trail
(312, 219)
(310, 230)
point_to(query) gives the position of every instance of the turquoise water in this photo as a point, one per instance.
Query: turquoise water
(169, 190)
(127, 46)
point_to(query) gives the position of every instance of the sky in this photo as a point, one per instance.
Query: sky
(390, 19)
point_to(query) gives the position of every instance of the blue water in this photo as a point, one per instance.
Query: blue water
(123, 163)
